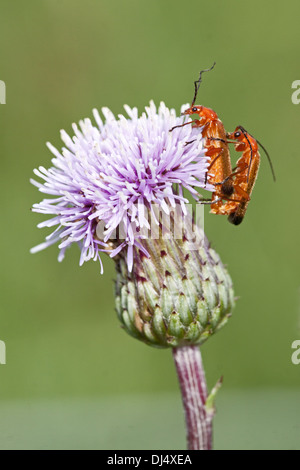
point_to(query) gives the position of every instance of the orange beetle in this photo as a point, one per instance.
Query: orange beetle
(244, 174)
(213, 131)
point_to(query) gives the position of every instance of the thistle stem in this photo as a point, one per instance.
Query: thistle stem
(193, 387)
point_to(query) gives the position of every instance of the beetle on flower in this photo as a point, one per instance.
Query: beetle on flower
(115, 174)
(111, 172)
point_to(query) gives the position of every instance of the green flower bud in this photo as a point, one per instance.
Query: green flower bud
(175, 297)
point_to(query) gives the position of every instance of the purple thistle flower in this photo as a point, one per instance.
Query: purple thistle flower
(110, 173)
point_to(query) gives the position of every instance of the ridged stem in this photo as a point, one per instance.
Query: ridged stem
(193, 387)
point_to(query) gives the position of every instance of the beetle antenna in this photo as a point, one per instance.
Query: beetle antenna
(197, 82)
(269, 159)
(264, 149)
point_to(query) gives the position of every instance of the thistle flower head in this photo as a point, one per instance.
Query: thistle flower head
(110, 172)
(177, 296)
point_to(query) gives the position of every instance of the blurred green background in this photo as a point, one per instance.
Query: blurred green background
(73, 378)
